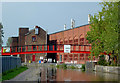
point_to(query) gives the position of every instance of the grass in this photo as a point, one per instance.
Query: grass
(13, 73)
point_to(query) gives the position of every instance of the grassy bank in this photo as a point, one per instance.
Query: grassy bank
(13, 73)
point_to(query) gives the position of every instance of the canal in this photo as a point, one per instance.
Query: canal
(48, 73)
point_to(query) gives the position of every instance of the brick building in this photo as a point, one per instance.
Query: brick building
(73, 36)
(35, 37)
(14, 41)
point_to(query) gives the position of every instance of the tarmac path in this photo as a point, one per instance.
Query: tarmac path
(30, 74)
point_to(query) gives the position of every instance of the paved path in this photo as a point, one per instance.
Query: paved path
(30, 74)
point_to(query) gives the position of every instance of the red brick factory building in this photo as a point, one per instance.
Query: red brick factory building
(38, 36)
(73, 36)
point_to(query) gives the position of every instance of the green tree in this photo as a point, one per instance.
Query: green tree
(9, 41)
(1, 35)
(104, 30)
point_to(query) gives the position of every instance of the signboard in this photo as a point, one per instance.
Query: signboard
(41, 57)
(7, 49)
(67, 48)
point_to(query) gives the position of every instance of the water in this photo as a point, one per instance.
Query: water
(56, 74)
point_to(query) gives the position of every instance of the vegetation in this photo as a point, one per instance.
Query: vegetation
(72, 67)
(104, 30)
(12, 73)
(64, 66)
(9, 41)
(102, 61)
(1, 35)
(83, 67)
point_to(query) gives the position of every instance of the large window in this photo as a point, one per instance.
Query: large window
(33, 38)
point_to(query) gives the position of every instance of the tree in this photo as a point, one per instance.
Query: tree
(103, 34)
(1, 35)
(9, 41)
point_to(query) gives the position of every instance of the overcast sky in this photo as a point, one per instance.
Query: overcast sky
(50, 16)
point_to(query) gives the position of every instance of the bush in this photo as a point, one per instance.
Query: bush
(64, 66)
(102, 61)
(72, 67)
(83, 67)
(58, 66)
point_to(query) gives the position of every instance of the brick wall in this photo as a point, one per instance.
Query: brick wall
(40, 39)
(22, 32)
(72, 36)
(14, 41)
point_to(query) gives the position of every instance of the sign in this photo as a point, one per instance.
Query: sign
(7, 49)
(41, 57)
(67, 48)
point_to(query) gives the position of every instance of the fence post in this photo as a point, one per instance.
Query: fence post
(53, 47)
(32, 48)
(37, 48)
(10, 49)
(42, 47)
(16, 49)
(48, 47)
(2, 51)
(21, 49)
(79, 48)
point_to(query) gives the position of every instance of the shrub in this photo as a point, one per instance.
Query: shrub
(58, 66)
(102, 61)
(72, 67)
(64, 66)
(83, 67)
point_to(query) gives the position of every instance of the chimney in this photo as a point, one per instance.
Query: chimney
(64, 26)
(72, 23)
(36, 30)
(89, 15)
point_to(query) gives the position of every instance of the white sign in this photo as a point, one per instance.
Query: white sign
(7, 49)
(41, 57)
(67, 48)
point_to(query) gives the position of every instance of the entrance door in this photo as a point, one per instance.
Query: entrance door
(33, 57)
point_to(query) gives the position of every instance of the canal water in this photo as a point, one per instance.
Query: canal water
(57, 74)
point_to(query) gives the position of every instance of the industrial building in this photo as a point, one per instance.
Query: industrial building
(32, 37)
(74, 36)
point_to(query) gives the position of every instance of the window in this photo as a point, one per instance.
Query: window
(33, 38)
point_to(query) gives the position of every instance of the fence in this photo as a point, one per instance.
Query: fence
(9, 62)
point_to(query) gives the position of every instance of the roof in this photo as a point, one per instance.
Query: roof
(68, 29)
(30, 32)
(33, 30)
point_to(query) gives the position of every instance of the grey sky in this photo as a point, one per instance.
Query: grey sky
(50, 16)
